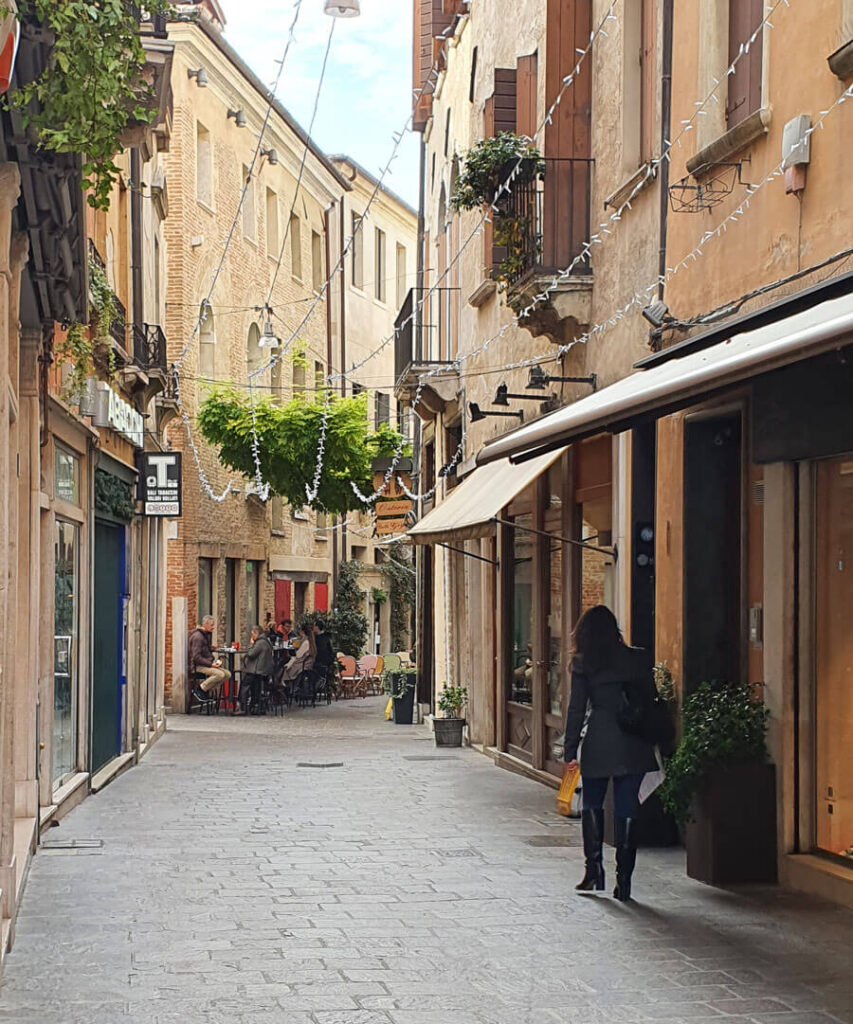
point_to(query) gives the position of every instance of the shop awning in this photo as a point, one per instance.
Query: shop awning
(469, 509)
(680, 382)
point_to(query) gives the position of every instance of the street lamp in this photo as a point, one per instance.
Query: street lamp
(200, 76)
(478, 414)
(342, 8)
(271, 155)
(239, 117)
(503, 395)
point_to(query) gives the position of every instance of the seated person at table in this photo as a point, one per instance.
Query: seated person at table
(304, 657)
(257, 665)
(202, 662)
(286, 631)
(325, 655)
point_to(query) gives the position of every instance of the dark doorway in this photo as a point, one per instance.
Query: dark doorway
(425, 630)
(107, 667)
(712, 551)
(643, 447)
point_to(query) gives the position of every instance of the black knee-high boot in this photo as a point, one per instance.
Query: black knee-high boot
(592, 823)
(626, 857)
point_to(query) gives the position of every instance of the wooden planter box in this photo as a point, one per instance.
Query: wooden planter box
(448, 731)
(732, 839)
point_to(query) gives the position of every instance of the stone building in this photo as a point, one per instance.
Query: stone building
(378, 273)
(730, 495)
(481, 318)
(240, 558)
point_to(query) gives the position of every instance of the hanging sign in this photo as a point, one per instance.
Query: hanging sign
(393, 511)
(160, 483)
(10, 33)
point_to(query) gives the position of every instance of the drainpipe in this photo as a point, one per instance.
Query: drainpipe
(419, 278)
(343, 273)
(329, 299)
(138, 312)
(665, 119)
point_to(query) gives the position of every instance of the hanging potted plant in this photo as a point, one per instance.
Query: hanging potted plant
(400, 687)
(721, 786)
(448, 730)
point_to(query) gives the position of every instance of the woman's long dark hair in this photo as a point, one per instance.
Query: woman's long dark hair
(597, 638)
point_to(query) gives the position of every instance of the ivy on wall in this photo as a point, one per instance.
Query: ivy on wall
(77, 349)
(401, 587)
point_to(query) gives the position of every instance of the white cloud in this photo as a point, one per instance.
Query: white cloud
(367, 92)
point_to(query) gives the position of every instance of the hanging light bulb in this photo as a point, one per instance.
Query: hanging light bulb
(268, 338)
(343, 8)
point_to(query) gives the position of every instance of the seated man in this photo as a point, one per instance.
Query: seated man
(202, 662)
(257, 664)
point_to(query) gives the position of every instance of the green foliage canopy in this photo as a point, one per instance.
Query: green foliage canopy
(289, 440)
(92, 87)
(487, 165)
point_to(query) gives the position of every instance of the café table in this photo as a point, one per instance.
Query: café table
(231, 687)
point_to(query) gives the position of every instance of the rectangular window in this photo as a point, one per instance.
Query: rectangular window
(472, 86)
(230, 600)
(253, 594)
(322, 526)
(318, 262)
(401, 275)
(66, 621)
(296, 247)
(452, 441)
(639, 83)
(67, 476)
(248, 205)
(298, 379)
(203, 165)
(319, 376)
(277, 514)
(205, 587)
(380, 265)
(272, 223)
(357, 252)
(745, 84)
(383, 408)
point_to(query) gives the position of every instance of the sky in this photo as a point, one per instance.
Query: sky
(366, 95)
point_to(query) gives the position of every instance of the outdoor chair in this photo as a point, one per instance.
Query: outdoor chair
(349, 675)
(374, 681)
(209, 708)
(367, 673)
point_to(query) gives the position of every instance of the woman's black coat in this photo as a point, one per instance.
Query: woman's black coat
(607, 750)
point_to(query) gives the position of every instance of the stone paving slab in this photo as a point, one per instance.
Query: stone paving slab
(405, 887)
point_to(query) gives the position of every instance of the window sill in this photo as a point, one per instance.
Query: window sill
(278, 533)
(734, 140)
(252, 241)
(841, 62)
(482, 293)
(206, 207)
(298, 280)
(639, 181)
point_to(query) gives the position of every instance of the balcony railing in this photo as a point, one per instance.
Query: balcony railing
(118, 328)
(552, 217)
(404, 336)
(149, 347)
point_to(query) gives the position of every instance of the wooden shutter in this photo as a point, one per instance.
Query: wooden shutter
(527, 95)
(648, 79)
(565, 224)
(282, 600)
(321, 597)
(431, 21)
(744, 96)
(505, 100)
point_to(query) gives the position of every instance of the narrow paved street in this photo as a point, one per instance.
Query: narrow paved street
(332, 868)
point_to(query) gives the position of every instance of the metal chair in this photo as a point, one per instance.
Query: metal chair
(349, 675)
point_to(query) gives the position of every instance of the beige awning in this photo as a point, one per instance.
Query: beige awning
(469, 509)
(680, 382)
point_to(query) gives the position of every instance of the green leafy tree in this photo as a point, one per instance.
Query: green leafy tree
(347, 623)
(289, 438)
(92, 87)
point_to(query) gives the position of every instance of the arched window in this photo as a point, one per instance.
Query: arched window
(254, 353)
(206, 342)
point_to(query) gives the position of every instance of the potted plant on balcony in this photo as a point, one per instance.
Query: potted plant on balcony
(400, 686)
(721, 787)
(448, 730)
(506, 160)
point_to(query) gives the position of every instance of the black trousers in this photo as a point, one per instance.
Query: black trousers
(250, 688)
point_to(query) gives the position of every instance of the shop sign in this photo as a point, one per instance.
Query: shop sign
(160, 483)
(111, 410)
(394, 511)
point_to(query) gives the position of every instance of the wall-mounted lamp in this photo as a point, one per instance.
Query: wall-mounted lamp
(271, 155)
(503, 395)
(268, 339)
(342, 8)
(200, 76)
(239, 117)
(658, 314)
(478, 414)
(539, 379)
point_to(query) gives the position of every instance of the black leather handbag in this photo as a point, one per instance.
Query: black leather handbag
(650, 720)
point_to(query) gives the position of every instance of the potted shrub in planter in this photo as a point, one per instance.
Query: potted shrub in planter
(448, 730)
(721, 787)
(400, 686)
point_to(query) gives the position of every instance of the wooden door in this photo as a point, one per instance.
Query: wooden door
(834, 661)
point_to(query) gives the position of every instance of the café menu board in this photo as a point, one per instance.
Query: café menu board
(160, 483)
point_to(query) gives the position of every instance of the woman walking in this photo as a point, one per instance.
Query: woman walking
(602, 667)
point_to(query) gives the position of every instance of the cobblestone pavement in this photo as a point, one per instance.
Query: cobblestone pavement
(236, 885)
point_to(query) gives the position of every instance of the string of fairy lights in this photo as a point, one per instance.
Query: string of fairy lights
(605, 229)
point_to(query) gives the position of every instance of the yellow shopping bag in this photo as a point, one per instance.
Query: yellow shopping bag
(389, 707)
(571, 778)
